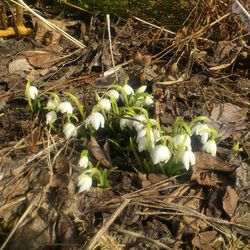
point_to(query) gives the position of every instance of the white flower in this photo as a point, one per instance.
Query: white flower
(65, 107)
(33, 92)
(141, 89)
(201, 130)
(157, 134)
(179, 139)
(142, 139)
(84, 183)
(52, 104)
(69, 130)
(210, 147)
(105, 104)
(160, 153)
(96, 119)
(51, 117)
(126, 122)
(84, 161)
(138, 124)
(187, 158)
(114, 94)
(148, 101)
(128, 89)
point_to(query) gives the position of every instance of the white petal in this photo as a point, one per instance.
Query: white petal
(138, 124)
(52, 104)
(105, 104)
(69, 130)
(179, 139)
(51, 117)
(83, 162)
(114, 94)
(65, 107)
(128, 89)
(160, 153)
(84, 182)
(188, 158)
(33, 92)
(141, 90)
(148, 101)
(210, 147)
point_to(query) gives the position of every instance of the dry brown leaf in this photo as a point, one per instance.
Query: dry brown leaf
(230, 201)
(207, 240)
(42, 60)
(97, 152)
(207, 162)
(226, 118)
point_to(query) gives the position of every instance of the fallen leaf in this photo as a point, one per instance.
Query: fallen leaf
(207, 240)
(226, 118)
(230, 201)
(207, 162)
(19, 65)
(97, 152)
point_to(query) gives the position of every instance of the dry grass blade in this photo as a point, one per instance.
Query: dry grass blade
(108, 223)
(51, 25)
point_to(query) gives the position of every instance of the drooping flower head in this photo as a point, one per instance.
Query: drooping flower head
(69, 130)
(210, 147)
(65, 107)
(84, 183)
(160, 153)
(96, 120)
(51, 117)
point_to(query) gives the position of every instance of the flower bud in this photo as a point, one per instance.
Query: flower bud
(33, 92)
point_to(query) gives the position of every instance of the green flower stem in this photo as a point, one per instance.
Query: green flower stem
(137, 157)
(78, 105)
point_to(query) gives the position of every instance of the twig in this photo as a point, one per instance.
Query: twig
(106, 226)
(153, 25)
(30, 207)
(110, 45)
(137, 235)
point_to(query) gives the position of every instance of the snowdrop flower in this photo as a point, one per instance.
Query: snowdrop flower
(210, 147)
(160, 153)
(142, 144)
(105, 104)
(84, 183)
(187, 158)
(138, 124)
(65, 107)
(148, 101)
(69, 130)
(52, 104)
(128, 89)
(141, 90)
(33, 92)
(96, 119)
(126, 122)
(84, 161)
(114, 94)
(202, 130)
(142, 140)
(179, 139)
(51, 117)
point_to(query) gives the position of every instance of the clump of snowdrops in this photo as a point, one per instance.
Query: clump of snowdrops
(124, 113)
